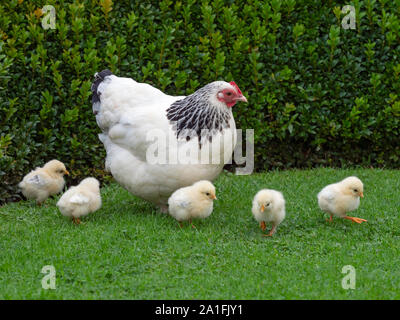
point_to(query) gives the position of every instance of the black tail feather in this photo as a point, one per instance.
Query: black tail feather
(98, 78)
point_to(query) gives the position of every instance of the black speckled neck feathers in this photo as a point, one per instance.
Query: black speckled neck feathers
(195, 113)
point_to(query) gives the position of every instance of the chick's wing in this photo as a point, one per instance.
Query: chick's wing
(38, 181)
(79, 198)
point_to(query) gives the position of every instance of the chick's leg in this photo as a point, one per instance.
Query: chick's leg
(262, 225)
(273, 230)
(330, 219)
(193, 226)
(354, 219)
(41, 199)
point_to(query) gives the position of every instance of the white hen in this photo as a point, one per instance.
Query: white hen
(342, 197)
(192, 202)
(147, 134)
(80, 200)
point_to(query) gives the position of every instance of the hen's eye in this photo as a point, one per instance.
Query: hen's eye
(229, 94)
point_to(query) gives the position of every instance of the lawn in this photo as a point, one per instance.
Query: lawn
(127, 250)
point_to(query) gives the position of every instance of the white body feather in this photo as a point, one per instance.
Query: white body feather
(185, 204)
(40, 184)
(129, 111)
(80, 200)
(332, 200)
(274, 213)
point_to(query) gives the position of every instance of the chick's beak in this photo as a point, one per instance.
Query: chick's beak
(67, 172)
(214, 197)
(241, 98)
(262, 208)
(362, 195)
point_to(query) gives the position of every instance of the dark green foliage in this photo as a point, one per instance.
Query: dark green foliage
(318, 94)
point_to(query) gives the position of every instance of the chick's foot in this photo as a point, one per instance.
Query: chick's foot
(271, 232)
(354, 219)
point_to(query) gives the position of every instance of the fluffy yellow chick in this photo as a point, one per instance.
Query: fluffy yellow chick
(269, 206)
(339, 198)
(192, 202)
(43, 182)
(80, 200)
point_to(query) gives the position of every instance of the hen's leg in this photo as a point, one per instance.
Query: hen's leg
(163, 208)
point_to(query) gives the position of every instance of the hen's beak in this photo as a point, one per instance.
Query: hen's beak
(241, 98)
(262, 208)
(362, 195)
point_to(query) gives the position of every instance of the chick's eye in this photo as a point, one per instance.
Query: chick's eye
(355, 190)
(207, 193)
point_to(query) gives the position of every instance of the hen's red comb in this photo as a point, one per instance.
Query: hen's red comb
(235, 86)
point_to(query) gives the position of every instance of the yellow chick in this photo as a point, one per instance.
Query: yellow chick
(269, 206)
(192, 202)
(80, 200)
(43, 182)
(339, 198)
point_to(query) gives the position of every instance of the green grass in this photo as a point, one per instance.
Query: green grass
(127, 250)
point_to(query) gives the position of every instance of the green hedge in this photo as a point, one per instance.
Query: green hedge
(318, 94)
